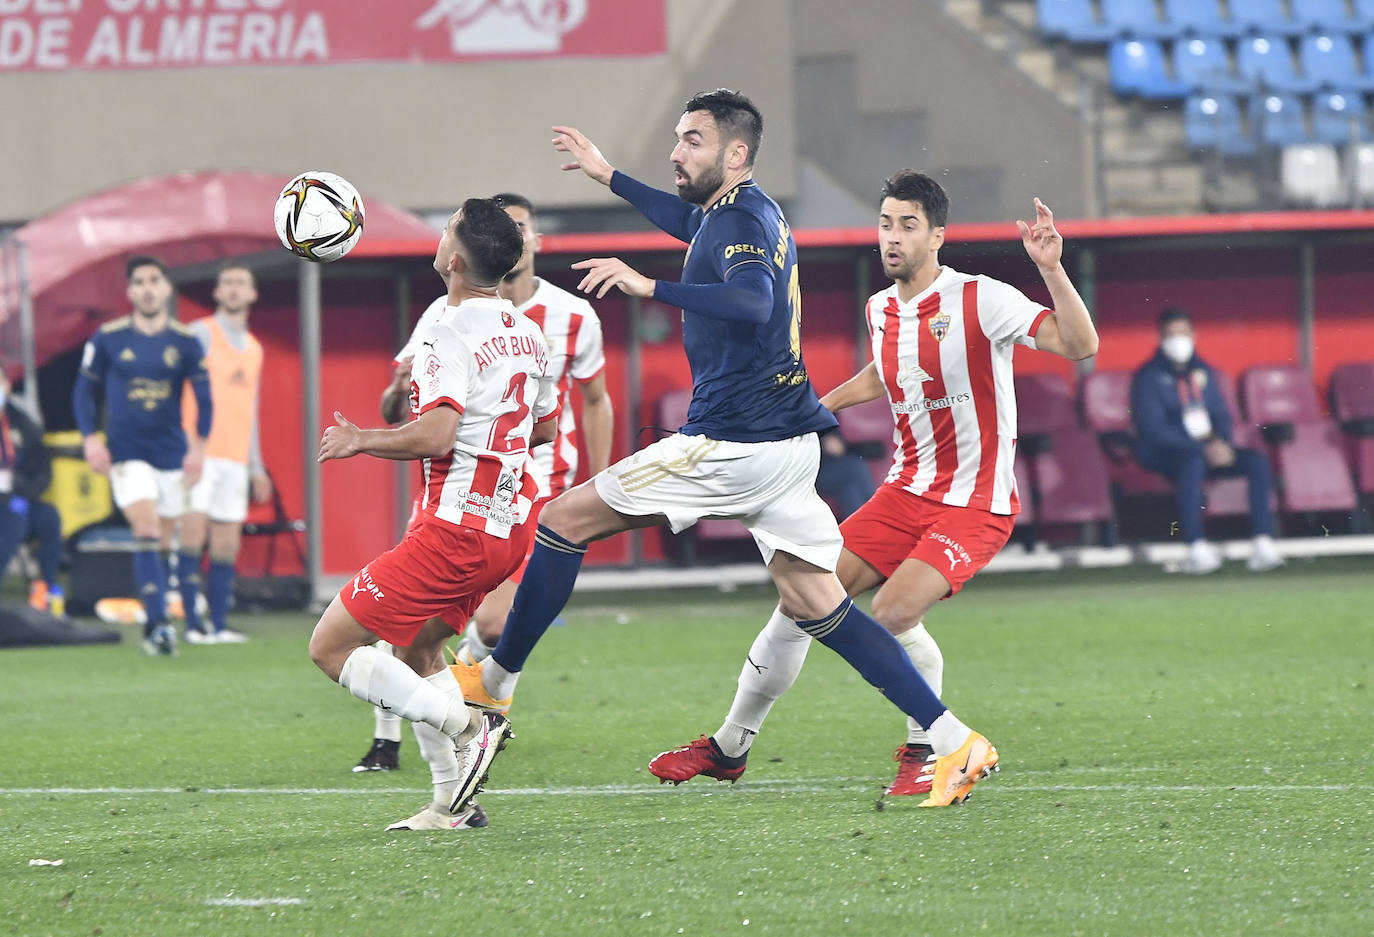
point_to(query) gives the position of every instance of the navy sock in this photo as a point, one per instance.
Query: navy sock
(217, 592)
(878, 657)
(188, 584)
(150, 575)
(544, 590)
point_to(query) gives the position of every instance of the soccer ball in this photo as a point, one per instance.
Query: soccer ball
(319, 216)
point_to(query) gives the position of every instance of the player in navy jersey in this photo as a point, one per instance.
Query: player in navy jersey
(749, 449)
(141, 362)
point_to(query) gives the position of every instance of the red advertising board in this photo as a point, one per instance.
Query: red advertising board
(57, 35)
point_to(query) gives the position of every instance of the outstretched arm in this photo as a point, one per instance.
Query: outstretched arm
(1070, 331)
(427, 437)
(664, 209)
(745, 296)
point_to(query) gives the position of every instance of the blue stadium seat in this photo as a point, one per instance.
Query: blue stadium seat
(1197, 17)
(1135, 18)
(1212, 122)
(1202, 64)
(1277, 119)
(1324, 15)
(1265, 16)
(1074, 20)
(1267, 62)
(1138, 66)
(1336, 113)
(1328, 59)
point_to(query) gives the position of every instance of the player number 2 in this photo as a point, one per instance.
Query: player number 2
(505, 425)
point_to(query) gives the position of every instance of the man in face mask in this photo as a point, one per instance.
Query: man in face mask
(1183, 432)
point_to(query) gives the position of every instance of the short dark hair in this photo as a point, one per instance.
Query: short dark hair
(490, 240)
(143, 260)
(226, 265)
(1172, 314)
(908, 185)
(735, 115)
(513, 200)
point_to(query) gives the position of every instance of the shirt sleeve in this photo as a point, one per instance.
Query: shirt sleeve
(1007, 315)
(546, 403)
(741, 254)
(442, 375)
(427, 319)
(665, 209)
(199, 376)
(95, 360)
(589, 356)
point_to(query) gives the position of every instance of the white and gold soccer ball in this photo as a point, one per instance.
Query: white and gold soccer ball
(319, 216)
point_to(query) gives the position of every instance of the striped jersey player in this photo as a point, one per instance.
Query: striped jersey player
(942, 344)
(481, 398)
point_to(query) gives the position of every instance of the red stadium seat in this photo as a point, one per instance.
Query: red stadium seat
(1352, 405)
(1071, 484)
(1313, 470)
(1106, 403)
(1280, 395)
(1044, 404)
(1305, 445)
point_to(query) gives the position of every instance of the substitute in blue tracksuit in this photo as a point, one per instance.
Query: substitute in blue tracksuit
(1183, 432)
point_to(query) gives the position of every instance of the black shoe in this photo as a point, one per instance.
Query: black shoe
(384, 755)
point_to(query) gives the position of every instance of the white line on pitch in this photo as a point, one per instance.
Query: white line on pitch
(251, 902)
(616, 790)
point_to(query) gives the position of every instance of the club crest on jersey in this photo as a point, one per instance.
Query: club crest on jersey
(507, 319)
(939, 326)
(170, 356)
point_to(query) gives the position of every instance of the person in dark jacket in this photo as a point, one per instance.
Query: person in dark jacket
(25, 472)
(1183, 432)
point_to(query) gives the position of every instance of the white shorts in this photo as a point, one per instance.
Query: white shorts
(222, 492)
(136, 480)
(770, 487)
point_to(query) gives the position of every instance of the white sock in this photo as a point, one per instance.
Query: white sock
(384, 681)
(947, 734)
(499, 681)
(477, 649)
(930, 663)
(387, 725)
(774, 660)
(436, 748)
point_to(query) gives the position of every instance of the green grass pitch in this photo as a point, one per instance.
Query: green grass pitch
(1180, 756)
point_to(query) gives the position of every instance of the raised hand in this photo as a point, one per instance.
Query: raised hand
(339, 441)
(1043, 243)
(606, 272)
(585, 155)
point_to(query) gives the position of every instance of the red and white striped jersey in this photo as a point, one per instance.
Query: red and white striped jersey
(490, 363)
(945, 359)
(575, 354)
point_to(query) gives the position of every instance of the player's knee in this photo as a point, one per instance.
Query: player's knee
(894, 614)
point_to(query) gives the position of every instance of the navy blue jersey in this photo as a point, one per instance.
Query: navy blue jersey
(142, 377)
(741, 314)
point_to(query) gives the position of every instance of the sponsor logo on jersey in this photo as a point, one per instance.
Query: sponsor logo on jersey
(127, 355)
(734, 249)
(926, 404)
